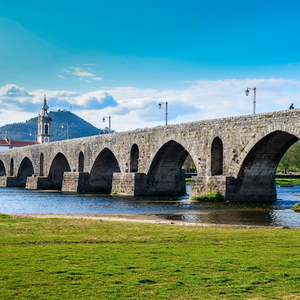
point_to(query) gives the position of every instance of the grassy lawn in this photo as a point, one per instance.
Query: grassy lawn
(92, 259)
(292, 181)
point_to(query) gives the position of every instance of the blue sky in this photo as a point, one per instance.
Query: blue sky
(123, 57)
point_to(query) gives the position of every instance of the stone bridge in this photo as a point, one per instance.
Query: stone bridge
(237, 156)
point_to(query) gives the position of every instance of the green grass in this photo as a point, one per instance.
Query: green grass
(188, 181)
(92, 259)
(296, 207)
(292, 181)
(213, 196)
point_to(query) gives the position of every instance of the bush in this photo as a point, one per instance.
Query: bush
(213, 196)
(296, 207)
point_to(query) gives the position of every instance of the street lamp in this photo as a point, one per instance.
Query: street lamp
(35, 136)
(254, 99)
(159, 106)
(63, 126)
(109, 122)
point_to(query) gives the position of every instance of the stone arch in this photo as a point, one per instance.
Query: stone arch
(80, 162)
(25, 170)
(102, 171)
(165, 176)
(58, 166)
(2, 169)
(11, 167)
(134, 158)
(256, 177)
(217, 157)
(42, 164)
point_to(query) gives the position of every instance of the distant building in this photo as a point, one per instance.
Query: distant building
(44, 125)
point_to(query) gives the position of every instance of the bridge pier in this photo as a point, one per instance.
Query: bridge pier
(130, 184)
(76, 182)
(37, 183)
(201, 185)
(10, 181)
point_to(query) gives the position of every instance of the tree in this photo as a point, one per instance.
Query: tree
(290, 160)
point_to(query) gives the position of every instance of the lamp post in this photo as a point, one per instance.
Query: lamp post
(254, 99)
(109, 122)
(159, 106)
(35, 136)
(63, 126)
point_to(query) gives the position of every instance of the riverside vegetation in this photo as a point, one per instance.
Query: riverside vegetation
(92, 259)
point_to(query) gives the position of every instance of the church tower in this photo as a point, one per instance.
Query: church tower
(44, 125)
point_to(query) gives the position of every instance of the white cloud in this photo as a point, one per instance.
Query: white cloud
(97, 78)
(78, 72)
(61, 76)
(131, 107)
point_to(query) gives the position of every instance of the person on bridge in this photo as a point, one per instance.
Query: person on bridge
(292, 106)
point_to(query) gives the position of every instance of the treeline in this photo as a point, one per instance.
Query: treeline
(290, 162)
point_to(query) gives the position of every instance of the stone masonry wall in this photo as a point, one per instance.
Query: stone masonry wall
(239, 136)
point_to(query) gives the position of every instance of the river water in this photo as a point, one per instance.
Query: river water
(278, 213)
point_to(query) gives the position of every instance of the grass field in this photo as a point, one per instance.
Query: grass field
(93, 259)
(293, 181)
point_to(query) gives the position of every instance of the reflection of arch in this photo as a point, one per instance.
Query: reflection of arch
(80, 162)
(41, 164)
(2, 169)
(217, 157)
(25, 170)
(58, 166)
(134, 158)
(102, 171)
(11, 167)
(165, 176)
(256, 177)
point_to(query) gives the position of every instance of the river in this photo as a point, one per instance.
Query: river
(278, 213)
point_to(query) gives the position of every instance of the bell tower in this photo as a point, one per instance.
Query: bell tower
(44, 125)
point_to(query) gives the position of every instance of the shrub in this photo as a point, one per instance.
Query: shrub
(296, 207)
(213, 196)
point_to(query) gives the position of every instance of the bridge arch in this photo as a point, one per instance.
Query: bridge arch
(101, 174)
(11, 167)
(25, 170)
(80, 162)
(58, 166)
(217, 157)
(42, 164)
(256, 177)
(165, 176)
(2, 169)
(134, 158)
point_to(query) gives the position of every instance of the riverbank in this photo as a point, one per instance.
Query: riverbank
(84, 257)
(140, 218)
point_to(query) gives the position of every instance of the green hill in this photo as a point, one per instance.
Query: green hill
(77, 128)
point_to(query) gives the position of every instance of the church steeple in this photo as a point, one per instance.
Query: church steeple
(45, 107)
(44, 124)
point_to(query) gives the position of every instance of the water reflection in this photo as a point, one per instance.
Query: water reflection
(278, 213)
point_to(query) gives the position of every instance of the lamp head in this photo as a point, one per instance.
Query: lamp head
(103, 119)
(62, 125)
(159, 105)
(247, 92)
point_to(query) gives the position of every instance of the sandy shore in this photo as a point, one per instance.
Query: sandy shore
(136, 218)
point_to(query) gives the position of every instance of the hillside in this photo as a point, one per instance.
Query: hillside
(77, 128)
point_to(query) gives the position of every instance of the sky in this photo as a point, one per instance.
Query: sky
(121, 58)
